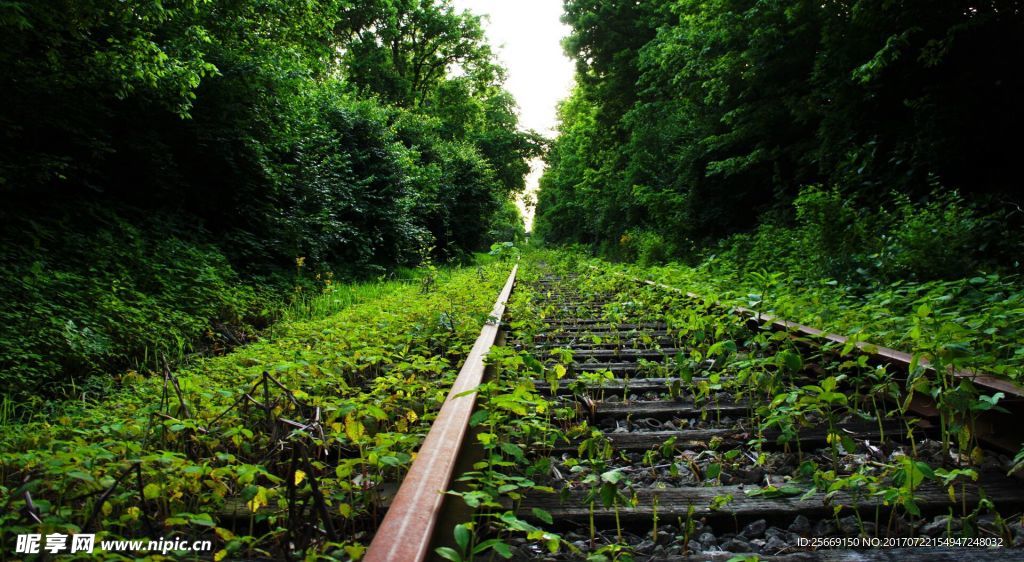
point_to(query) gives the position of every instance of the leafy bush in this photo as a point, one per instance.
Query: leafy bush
(375, 374)
(92, 291)
(941, 238)
(835, 236)
(507, 225)
(644, 247)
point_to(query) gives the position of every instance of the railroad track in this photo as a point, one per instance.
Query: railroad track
(626, 420)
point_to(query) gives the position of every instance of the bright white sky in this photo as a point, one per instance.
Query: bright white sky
(527, 35)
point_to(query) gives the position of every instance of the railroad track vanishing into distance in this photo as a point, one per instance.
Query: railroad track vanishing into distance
(617, 418)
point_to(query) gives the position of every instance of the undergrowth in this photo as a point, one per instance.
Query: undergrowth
(281, 446)
(975, 323)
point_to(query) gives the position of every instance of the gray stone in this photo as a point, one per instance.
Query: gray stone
(693, 546)
(849, 526)
(707, 539)
(937, 527)
(774, 545)
(755, 529)
(986, 520)
(824, 528)
(801, 525)
(645, 545)
(736, 545)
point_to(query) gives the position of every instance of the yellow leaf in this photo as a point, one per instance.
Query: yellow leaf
(355, 551)
(977, 455)
(354, 428)
(299, 477)
(258, 501)
(345, 510)
(221, 554)
(107, 508)
(223, 533)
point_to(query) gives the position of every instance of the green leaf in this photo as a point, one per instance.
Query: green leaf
(478, 417)
(462, 536)
(497, 545)
(613, 476)
(448, 553)
(791, 361)
(151, 491)
(608, 494)
(543, 515)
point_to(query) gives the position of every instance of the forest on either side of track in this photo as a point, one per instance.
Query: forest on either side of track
(218, 217)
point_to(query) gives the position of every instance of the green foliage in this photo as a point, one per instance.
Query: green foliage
(243, 115)
(366, 382)
(790, 387)
(82, 299)
(507, 225)
(644, 247)
(976, 320)
(943, 238)
(698, 120)
(241, 121)
(834, 237)
(404, 50)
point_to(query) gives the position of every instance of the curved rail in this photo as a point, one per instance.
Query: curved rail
(407, 530)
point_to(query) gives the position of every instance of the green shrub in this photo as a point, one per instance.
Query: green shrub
(834, 236)
(938, 239)
(93, 292)
(507, 224)
(645, 247)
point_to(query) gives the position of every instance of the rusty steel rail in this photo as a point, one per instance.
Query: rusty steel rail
(876, 352)
(407, 530)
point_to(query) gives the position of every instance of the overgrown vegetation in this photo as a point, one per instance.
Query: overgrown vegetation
(163, 163)
(290, 195)
(861, 140)
(830, 148)
(794, 412)
(261, 449)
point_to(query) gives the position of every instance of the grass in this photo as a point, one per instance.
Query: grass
(369, 375)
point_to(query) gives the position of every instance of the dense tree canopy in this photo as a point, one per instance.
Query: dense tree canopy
(693, 119)
(361, 133)
(167, 165)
